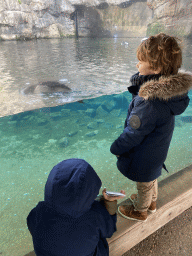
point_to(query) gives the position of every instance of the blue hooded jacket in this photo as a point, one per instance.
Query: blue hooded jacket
(70, 222)
(143, 146)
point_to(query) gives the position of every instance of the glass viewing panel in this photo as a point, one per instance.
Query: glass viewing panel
(38, 129)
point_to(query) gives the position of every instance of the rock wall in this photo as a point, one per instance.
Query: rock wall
(171, 16)
(127, 22)
(28, 19)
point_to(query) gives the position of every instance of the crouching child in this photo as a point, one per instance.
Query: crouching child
(70, 222)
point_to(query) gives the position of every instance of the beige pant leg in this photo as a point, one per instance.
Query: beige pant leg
(147, 192)
(155, 191)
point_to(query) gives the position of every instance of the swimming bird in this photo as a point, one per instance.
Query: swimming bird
(124, 43)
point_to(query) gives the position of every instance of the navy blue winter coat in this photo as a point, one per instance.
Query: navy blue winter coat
(143, 146)
(70, 222)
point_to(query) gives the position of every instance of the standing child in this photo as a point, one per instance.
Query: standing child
(70, 222)
(159, 94)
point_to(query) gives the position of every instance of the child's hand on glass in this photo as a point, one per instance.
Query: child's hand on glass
(112, 198)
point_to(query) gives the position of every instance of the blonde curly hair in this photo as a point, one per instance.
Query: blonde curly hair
(161, 51)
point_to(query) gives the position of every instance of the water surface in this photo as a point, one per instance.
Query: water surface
(90, 67)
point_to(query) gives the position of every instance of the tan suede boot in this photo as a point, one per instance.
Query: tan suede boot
(128, 212)
(152, 207)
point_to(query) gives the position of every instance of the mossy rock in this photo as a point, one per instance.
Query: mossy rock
(155, 28)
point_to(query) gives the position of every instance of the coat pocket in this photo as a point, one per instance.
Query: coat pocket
(123, 164)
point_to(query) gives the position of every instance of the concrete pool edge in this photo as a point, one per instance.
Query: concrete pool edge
(175, 196)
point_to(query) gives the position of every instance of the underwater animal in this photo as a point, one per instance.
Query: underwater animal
(47, 87)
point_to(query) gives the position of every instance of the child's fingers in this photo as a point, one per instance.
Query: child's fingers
(104, 190)
(117, 197)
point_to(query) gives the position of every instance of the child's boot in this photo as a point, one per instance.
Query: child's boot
(152, 207)
(128, 212)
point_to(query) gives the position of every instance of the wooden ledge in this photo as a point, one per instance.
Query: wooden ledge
(175, 196)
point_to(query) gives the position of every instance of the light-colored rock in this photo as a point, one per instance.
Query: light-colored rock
(37, 136)
(72, 133)
(12, 5)
(65, 26)
(52, 141)
(38, 5)
(127, 22)
(3, 6)
(53, 31)
(90, 112)
(65, 6)
(25, 8)
(109, 105)
(35, 19)
(101, 112)
(51, 18)
(167, 9)
(153, 4)
(63, 142)
(119, 126)
(91, 134)
(92, 125)
(171, 17)
(1, 17)
(8, 37)
(15, 18)
(184, 5)
(99, 121)
(44, 22)
(21, 19)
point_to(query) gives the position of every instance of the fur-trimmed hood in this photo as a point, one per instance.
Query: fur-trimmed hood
(166, 87)
(172, 90)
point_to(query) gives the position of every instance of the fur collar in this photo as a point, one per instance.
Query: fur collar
(166, 87)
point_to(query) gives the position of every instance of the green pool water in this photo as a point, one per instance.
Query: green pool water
(32, 142)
